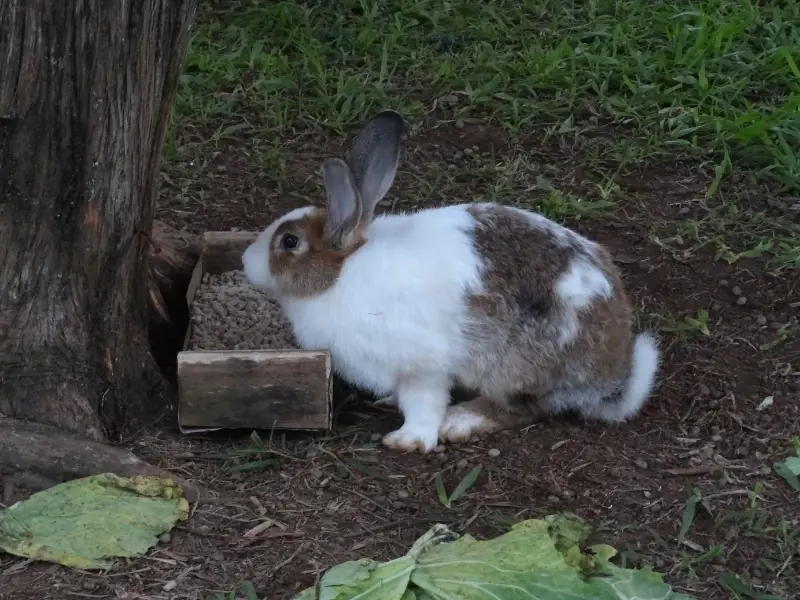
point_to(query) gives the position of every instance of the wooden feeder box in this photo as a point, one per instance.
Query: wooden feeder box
(287, 389)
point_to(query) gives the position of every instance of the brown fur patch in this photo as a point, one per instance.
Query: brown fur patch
(519, 319)
(314, 266)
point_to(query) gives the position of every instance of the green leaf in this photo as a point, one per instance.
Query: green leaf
(689, 513)
(789, 469)
(466, 483)
(367, 580)
(741, 589)
(256, 439)
(249, 590)
(528, 562)
(82, 522)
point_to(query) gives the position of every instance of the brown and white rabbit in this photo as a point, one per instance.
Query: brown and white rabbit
(499, 300)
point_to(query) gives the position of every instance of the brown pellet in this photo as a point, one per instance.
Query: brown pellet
(230, 314)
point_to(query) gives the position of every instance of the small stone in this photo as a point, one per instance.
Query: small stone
(402, 494)
(724, 282)
(615, 472)
(218, 556)
(647, 494)
(462, 464)
(170, 585)
(715, 429)
(761, 321)
(397, 504)
(765, 470)
(655, 507)
(439, 449)
(459, 124)
(716, 438)
(468, 151)
(164, 538)
(222, 169)
(554, 499)
(736, 290)
(741, 301)
(716, 307)
(684, 210)
(641, 463)
(493, 452)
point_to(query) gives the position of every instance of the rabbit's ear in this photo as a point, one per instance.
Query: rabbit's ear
(343, 213)
(374, 157)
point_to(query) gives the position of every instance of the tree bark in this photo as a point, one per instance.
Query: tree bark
(85, 93)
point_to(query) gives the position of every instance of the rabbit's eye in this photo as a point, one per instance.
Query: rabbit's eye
(289, 241)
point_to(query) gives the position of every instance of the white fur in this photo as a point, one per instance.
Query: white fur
(644, 365)
(395, 320)
(460, 423)
(577, 288)
(423, 401)
(255, 260)
(582, 284)
(397, 308)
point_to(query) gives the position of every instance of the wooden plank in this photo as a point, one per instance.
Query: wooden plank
(261, 389)
(194, 283)
(222, 250)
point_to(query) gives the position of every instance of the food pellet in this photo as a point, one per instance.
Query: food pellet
(230, 314)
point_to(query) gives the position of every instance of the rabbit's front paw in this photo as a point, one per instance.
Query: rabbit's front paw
(412, 439)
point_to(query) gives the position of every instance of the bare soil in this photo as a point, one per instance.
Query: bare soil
(344, 496)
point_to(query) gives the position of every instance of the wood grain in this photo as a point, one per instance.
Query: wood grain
(86, 88)
(261, 389)
(222, 250)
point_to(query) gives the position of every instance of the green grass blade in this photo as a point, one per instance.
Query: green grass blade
(441, 492)
(466, 483)
(689, 513)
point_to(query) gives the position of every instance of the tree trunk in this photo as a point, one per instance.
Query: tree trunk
(85, 93)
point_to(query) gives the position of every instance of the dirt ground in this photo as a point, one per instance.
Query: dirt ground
(345, 496)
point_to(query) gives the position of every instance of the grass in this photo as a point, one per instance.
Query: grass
(462, 488)
(717, 79)
(625, 83)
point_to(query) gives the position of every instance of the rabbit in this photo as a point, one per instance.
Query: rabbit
(530, 315)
